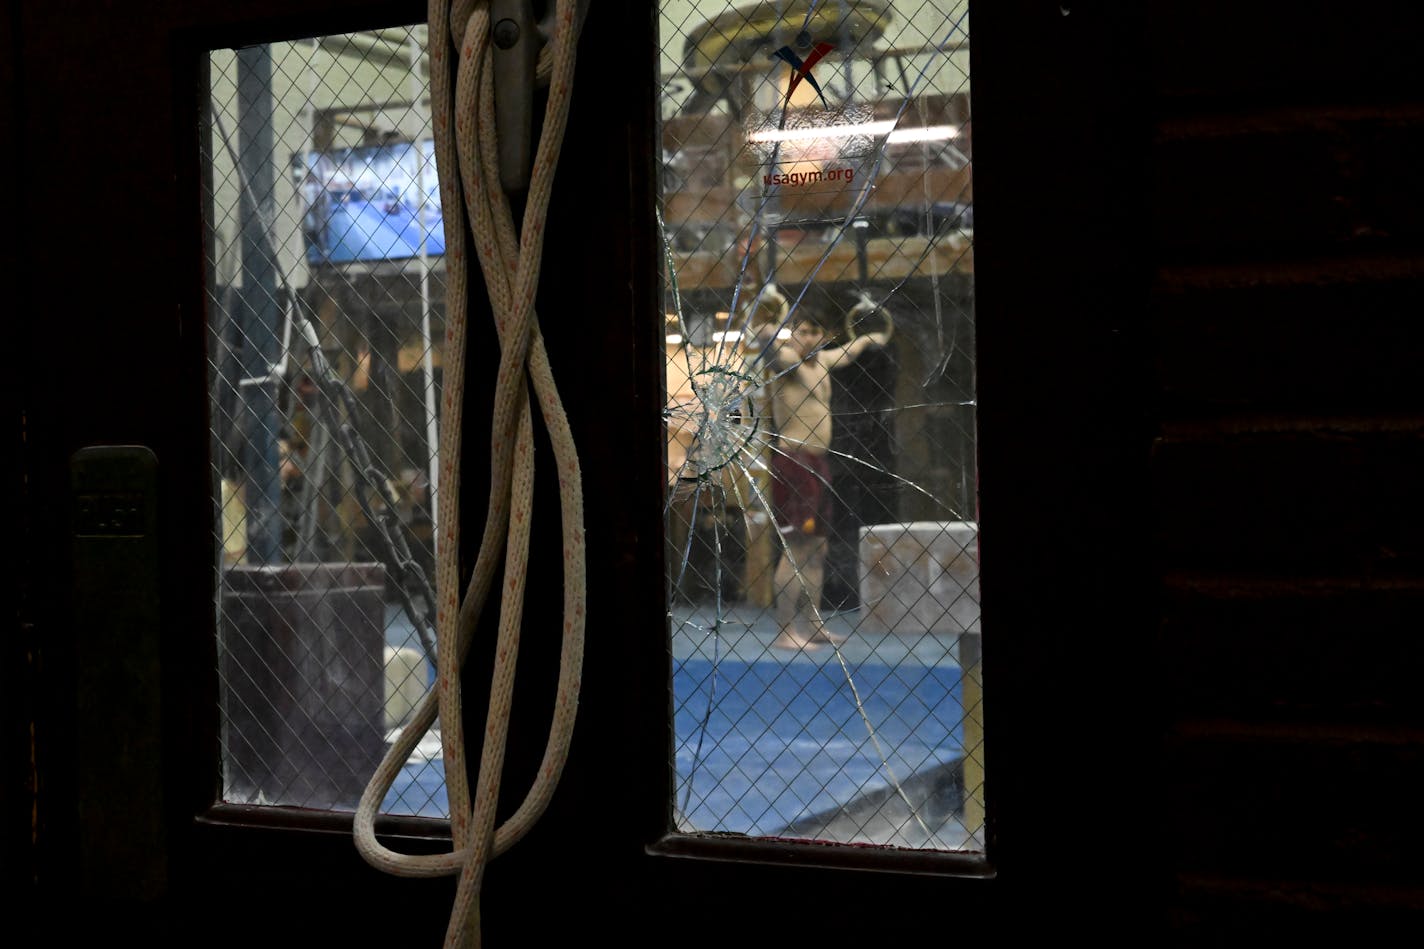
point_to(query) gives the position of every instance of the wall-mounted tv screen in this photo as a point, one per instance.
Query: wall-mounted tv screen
(370, 203)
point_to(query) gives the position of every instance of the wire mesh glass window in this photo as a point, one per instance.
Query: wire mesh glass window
(817, 208)
(327, 292)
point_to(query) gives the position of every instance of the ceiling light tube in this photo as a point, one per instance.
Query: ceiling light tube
(822, 131)
(931, 133)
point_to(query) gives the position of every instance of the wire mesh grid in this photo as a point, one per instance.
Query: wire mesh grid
(822, 544)
(326, 301)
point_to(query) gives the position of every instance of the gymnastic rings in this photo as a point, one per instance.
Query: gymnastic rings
(768, 308)
(863, 309)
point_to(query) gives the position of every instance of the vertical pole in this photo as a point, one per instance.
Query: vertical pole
(973, 698)
(258, 309)
(432, 434)
(847, 51)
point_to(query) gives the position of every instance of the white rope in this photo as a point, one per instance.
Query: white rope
(466, 157)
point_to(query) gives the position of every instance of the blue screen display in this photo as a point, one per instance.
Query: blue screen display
(370, 203)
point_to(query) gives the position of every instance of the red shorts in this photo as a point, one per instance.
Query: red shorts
(800, 491)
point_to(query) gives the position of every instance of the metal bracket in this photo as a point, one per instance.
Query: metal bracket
(516, 51)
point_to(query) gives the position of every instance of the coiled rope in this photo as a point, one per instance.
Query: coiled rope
(466, 157)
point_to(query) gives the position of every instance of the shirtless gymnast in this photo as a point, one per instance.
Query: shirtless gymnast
(801, 406)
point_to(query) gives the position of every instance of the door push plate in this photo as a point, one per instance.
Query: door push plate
(114, 607)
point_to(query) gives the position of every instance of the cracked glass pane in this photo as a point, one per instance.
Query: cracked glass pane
(326, 303)
(817, 218)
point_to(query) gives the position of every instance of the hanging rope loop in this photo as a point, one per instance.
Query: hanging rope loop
(467, 157)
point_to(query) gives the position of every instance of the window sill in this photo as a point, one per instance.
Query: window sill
(267, 817)
(827, 855)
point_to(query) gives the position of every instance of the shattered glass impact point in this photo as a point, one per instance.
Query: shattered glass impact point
(725, 418)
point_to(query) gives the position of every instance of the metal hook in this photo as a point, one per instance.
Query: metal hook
(516, 51)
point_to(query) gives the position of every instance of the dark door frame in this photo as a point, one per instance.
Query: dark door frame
(108, 102)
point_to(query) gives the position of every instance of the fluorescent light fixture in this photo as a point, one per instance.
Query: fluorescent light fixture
(930, 133)
(821, 132)
(726, 337)
(674, 339)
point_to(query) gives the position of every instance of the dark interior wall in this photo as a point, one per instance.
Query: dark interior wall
(1288, 526)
